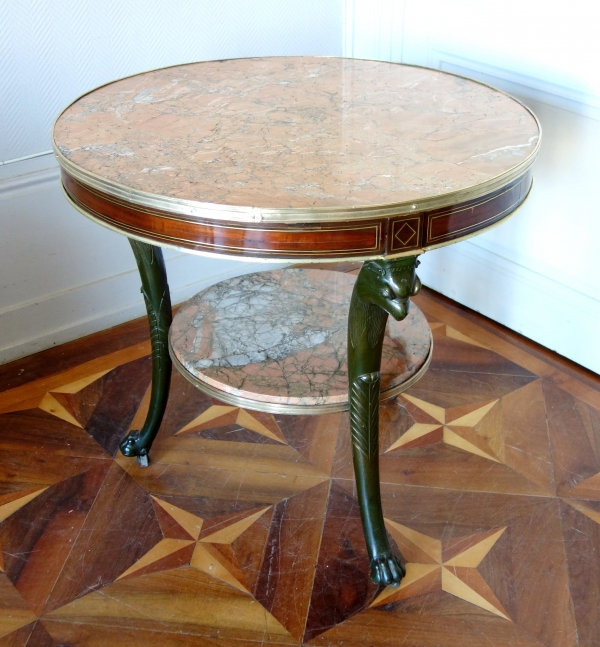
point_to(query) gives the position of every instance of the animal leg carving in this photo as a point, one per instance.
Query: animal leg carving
(155, 289)
(382, 288)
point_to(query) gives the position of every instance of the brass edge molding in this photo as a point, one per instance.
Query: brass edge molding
(213, 211)
(293, 409)
(210, 211)
(404, 386)
(271, 259)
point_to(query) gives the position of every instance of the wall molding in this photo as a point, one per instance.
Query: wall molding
(480, 274)
(377, 30)
(374, 31)
(17, 185)
(39, 321)
(532, 304)
(348, 28)
(554, 94)
(25, 157)
(69, 314)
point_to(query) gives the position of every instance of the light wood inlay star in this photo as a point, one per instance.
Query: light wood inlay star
(218, 415)
(451, 426)
(588, 511)
(449, 566)
(71, 381)
(56, 400)
(204, 553)
(16, 504)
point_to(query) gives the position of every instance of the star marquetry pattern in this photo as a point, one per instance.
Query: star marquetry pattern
(455, 427)
(220, 415)
(450, 566)
(202, 544)
(448, 331)
(62, 400)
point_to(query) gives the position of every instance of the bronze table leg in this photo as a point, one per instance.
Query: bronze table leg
(382, 288)
(155, 289)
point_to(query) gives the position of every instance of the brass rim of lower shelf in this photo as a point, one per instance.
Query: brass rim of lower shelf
(292, 409)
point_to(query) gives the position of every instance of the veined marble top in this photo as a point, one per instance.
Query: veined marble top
(296, 133)
(280, 338)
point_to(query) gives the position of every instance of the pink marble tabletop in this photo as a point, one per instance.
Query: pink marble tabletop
(296, 132)
(280, 337)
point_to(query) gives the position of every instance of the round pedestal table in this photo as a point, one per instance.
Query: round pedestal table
(291, 159)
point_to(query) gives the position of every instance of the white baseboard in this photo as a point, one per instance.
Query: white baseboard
(537, 306)
(21, 185)
(71, 314)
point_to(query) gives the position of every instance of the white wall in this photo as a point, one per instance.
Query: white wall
(538, 273)
(62, 276)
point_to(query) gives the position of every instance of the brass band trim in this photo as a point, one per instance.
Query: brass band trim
(433, 239)
(292, 409)
(145, 234)
(317, 258)
(212, 211)
(143, 237)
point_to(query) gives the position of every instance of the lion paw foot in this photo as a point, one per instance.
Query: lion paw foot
(132, 445)
(387, 569)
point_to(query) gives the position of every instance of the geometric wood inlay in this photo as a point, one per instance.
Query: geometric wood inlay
(457, 432)
(206, 555)
(589, 512)
(104, 551)
(458, 574)
(405, 234)
(221, 415)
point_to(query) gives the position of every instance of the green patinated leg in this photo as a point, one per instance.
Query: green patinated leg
(382, 288)
(158, 304)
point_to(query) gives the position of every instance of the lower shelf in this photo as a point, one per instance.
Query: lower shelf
(276, 341)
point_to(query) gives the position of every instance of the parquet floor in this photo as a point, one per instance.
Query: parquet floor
(245, 530)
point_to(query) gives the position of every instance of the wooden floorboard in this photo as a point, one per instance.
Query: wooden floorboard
(490, 469)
